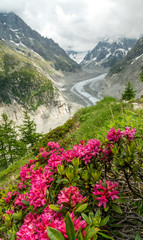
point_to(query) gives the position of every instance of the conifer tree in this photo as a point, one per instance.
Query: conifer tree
(11, 149)
(129, 93)
(28, 130)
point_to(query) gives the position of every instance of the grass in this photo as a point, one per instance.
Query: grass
(9, 175)
(88, 123)
(95, 121)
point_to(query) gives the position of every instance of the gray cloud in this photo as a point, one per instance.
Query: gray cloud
(79, 24)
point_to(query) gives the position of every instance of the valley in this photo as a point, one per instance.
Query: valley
(37, 74)
(83, 92)
(62, 183)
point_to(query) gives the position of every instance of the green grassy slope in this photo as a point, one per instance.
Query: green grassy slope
(88, 123)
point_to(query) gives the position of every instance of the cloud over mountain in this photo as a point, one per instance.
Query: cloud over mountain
(79, 24)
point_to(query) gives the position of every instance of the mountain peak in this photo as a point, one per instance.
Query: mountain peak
(107, 52)
(16, 33)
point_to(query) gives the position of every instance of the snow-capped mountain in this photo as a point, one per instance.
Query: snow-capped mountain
(108, 52)
(77, 56)
(128, 69)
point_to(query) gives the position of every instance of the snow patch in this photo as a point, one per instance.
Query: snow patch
(135, 59)
(78, 56)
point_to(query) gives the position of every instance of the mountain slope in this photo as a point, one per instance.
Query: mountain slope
(107, 53)
(21, 81)
(17, 34)
(128, 69)
(25, 82)
(134, 53)
(29, 63)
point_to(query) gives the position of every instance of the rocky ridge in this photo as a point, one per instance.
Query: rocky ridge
(19, 36)
(128, 69)
(106, 53)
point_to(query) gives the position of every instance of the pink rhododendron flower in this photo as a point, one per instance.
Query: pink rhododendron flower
(31, 161)
(37, 196)
(53, 145)
(68, 155)
(102, 200)
(21, 185)
(41, 149)
(9, 197)
(54, 160)
(87, 152)
(105, 193)
(24, 173)
(70, 195)
(9, 212)
(107, 152)
(35, 225)
(19, 198)
(129, 132)
(44, 155)
(114, 135)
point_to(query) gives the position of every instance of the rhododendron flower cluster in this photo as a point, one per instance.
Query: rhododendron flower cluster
(9, 197)
(107, 152)
(70, 195)
(40, 187)
(115, 135)
(35, 225)
(20, 198)
(87, 152)
(105, 193)
(129, 132)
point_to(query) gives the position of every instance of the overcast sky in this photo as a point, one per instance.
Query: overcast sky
(79, 24)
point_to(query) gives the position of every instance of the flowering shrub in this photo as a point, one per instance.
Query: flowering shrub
(69, 194)
(105, 193)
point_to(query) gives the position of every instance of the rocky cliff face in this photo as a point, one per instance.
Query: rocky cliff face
(107, 53)
(128, 69)
(45, 117)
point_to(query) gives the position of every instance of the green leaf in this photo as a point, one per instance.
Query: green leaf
(79, 236)
(54, 207)
(60, 169)
(70, 172)
(137, 237)
(104, 221)
(91, 232)
(96, 221)
(105, 236)
(75, 163)
(98, 213)
(70, 227)
(65, 181)
(106, 209)
(116, 209)
(81, 208)
(13, 236)
(25, 202)
(54, 234)
(95, 238)
(7, 218)
(86, 218)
